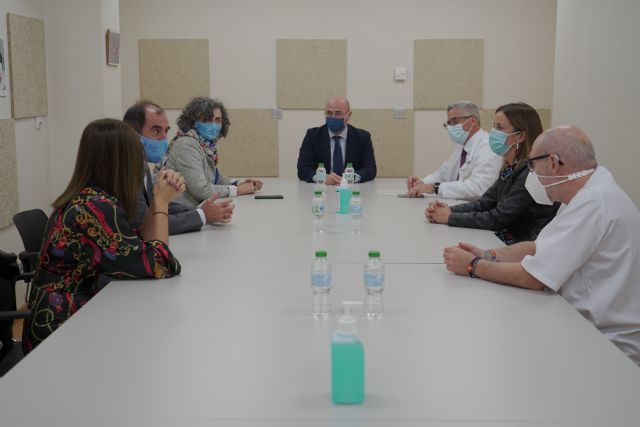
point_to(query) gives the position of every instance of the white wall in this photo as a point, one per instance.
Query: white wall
(596, 81)
(80, 88)
(519, 53)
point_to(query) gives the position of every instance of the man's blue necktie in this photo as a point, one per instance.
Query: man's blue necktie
(337, 165)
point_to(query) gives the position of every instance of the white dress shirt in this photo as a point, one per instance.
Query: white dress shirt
(474, 177)
(590, 254)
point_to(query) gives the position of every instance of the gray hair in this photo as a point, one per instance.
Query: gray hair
(467, 107)
(201, 108)
(572, 146)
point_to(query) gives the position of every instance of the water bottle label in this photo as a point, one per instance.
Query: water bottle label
(321, 280)
(374, 280)
(317, 208)
(355, 209)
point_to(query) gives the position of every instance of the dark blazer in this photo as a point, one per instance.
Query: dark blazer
(182, 219)
(506, 206)
(317, 149)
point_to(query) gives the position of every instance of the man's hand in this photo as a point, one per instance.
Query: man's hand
(333, 179)
(457, 260)
(412, 181)
(474, 250)
(418, 189)
(217, 212)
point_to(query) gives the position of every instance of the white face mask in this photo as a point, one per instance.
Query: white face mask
(538, 191)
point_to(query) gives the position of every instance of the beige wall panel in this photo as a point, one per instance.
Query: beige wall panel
(251, 147)
(446, 71)
(27, 65)
(310, 72)
(173, 71)
(8, 173)
(486, 118)
(392, 140)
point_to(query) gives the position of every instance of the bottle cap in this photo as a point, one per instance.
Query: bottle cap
(317, 193)
(349, 165)
(320, 165)
(321, 254)
(347, 324)
(374, 254)
(355, 193)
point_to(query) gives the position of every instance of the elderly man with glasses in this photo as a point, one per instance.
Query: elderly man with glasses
(589, 253)
(472, 167)
(335, 144)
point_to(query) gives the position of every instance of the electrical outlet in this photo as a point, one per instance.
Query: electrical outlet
(398, 113)
(39, 123)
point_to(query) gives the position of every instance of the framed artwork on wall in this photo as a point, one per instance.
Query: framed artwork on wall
(113, 48)
(3, 68)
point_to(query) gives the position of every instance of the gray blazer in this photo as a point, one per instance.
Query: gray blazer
(186, 156)
(182, 219)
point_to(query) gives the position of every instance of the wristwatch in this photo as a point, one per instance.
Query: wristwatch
(436, 187)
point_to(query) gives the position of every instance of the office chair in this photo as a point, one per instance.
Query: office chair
(31, 225)
(10, 350)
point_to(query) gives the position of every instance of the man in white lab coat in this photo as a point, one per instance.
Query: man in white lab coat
(472, 167)
(589, 253)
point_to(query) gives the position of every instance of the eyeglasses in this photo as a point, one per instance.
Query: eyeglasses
(336, 114)
(540, 157)
(454, 121)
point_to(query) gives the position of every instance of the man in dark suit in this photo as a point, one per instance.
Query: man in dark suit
(353, 146)
(152, 124)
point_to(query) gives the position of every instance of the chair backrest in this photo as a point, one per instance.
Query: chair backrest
(8, 272)
(31, 225)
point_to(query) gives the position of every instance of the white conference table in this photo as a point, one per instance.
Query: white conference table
(282, 228)
(232, 343)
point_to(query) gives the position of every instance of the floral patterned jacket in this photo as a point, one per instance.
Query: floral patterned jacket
(86, 239)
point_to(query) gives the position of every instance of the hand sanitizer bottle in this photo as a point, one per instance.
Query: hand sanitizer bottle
(347, 360)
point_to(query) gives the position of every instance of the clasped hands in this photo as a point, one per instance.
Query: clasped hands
(415, 187)
(437, 212)
(249, 186)
(457, 258)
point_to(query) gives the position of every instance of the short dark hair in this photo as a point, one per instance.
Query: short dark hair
(110, 156)
(136, 115)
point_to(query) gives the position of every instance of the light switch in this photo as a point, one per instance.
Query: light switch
(276, 113)
(39, 123)
(400, 74)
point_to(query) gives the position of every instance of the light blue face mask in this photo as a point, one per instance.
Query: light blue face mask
(208, 130)
(457, 133)
(498, 141)
(154, 148)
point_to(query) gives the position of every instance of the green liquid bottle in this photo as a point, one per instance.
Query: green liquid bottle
(347, 360)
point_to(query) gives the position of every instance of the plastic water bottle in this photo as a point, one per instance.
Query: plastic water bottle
(321, 286)
(318, 210)
(321, 174)
(350, 174)
(355, 209)
(373, 285)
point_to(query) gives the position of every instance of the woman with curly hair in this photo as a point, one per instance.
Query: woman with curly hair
(194, 153)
